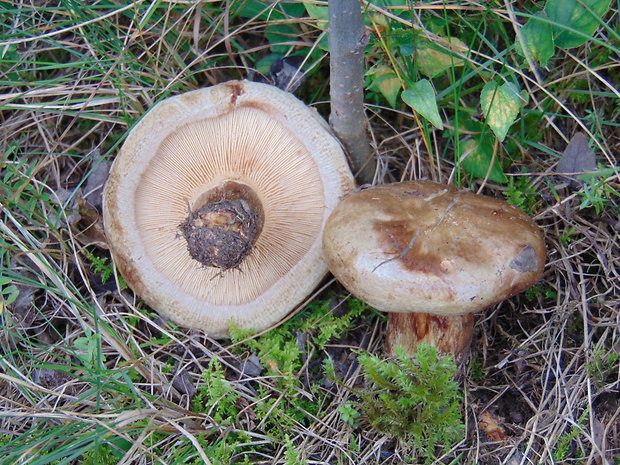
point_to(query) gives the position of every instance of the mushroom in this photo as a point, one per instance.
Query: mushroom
(431, 256)
(216, 203)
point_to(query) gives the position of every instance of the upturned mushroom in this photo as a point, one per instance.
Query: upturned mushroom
(216, 202)
(431, 256)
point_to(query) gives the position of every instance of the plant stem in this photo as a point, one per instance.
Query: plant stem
(346, 41)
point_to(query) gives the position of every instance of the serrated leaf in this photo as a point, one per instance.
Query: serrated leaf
(537, 40)
(476, 157)
(434, 60)
(574, 19)
(500, 106)
(386, 82)
(421, 97)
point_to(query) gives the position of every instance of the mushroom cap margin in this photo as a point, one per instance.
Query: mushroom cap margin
(126, 243)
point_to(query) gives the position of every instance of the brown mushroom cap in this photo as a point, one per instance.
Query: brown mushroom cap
(426, 247)
(227, 140)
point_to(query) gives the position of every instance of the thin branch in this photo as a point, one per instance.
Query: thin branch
(347, 41)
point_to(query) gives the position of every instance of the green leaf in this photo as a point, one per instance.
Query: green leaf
(434, 60)
(259, 10)
(476, 157)
(392, 3)
(405, 40)
(263, 65)
(319, 12)
(386, 82)
(87, 349)
(277, 34)
(577, 20)
(12, 292)
(500, 105)
(421, 97)
(537, 40)
(292, 9)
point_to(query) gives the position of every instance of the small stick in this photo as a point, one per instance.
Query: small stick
(347, 41)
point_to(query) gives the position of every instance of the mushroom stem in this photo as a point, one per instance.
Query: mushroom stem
(449, 334)
(222, 232)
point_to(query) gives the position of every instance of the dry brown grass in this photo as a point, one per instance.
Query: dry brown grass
(544, 373)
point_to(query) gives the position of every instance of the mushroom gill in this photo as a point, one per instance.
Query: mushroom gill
(247, 146)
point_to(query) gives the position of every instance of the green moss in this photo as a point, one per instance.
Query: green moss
(217, 396)
(415, 401)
